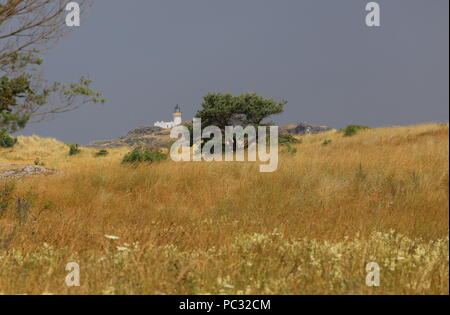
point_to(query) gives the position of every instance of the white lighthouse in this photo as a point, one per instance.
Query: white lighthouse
(177, 116)
(177, 120)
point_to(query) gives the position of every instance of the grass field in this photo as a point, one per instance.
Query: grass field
(225, 228)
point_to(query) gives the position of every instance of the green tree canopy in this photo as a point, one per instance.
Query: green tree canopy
(247, 109)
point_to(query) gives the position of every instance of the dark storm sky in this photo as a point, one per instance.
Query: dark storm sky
(148, 55)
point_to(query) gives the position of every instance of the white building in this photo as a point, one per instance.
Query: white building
(170, 124)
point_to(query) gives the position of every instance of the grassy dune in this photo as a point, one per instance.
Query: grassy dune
(310, 227)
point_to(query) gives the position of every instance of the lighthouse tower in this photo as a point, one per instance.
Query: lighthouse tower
(170, 124)
(177, 116)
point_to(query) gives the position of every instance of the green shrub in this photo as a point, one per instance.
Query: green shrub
(352, 130)
(6, 141)
(144, 155)
(102, 152)
(74, 148)
(326, 142)
(286, 138)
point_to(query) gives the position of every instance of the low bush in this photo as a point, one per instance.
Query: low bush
(144, 155)
(102, 152)
(352, 130)
(74, 148)
(6, 141)
(285, 138)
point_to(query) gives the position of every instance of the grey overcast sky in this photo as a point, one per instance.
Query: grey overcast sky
(146, 56)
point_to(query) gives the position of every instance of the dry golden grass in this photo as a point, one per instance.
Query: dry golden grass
(310, 227)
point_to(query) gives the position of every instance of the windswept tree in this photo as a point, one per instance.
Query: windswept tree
(27, 29)
(223, 110)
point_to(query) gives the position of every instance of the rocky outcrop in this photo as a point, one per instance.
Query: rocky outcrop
(158, 138)
(30, 170)
(305, 129)
(148, 130)
(145, 136)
